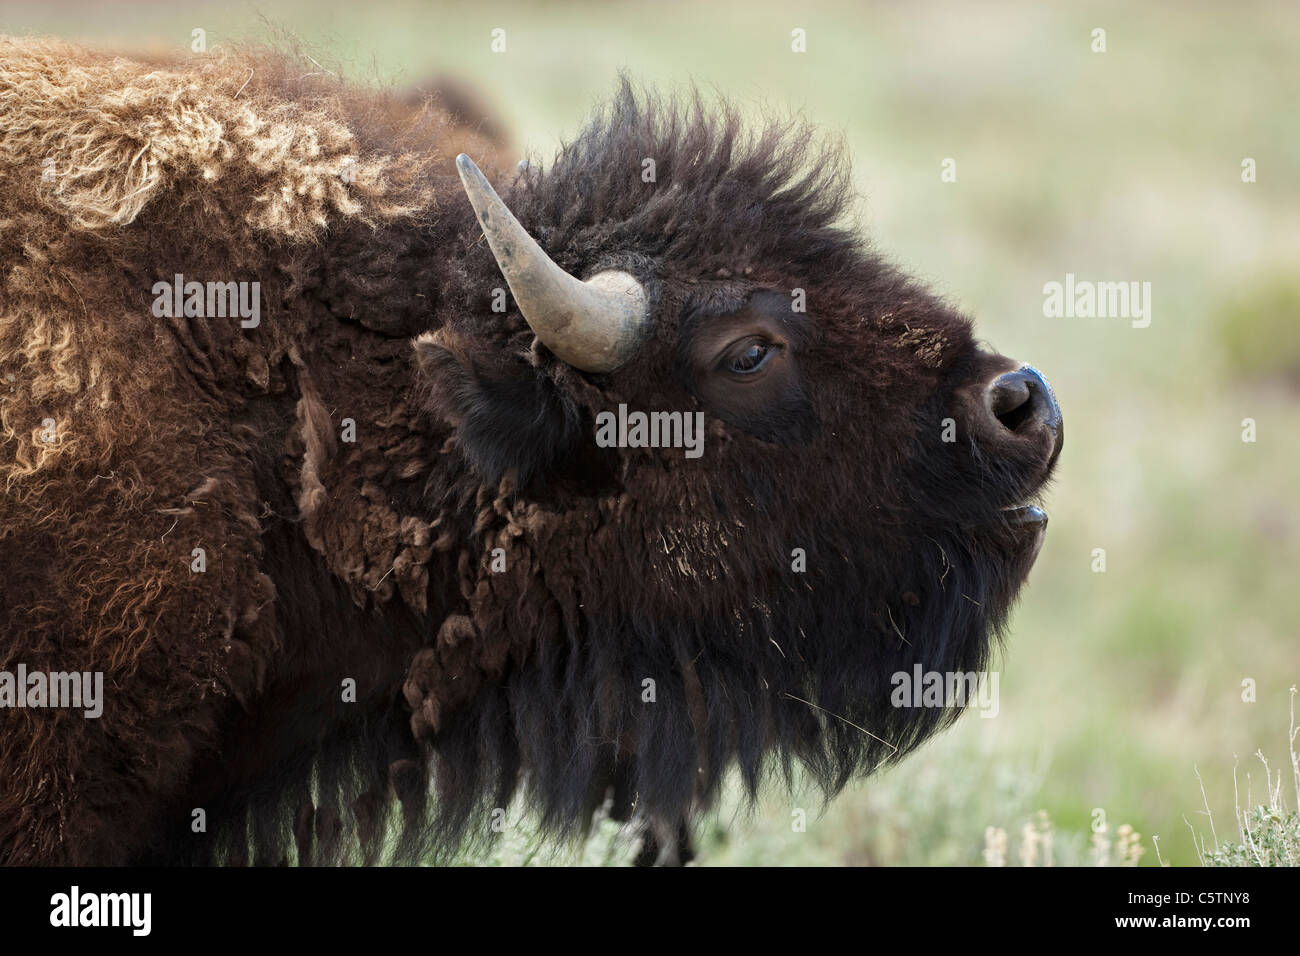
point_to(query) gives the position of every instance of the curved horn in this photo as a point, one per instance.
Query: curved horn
(595, 325)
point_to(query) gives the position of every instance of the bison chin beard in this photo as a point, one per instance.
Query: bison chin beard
(656, 708)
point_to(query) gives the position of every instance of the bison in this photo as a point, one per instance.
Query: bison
(299, 421)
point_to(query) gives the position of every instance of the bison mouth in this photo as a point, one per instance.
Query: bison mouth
(1028, 529)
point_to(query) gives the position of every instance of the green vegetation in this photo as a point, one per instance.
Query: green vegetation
(1269, 834)
(1259, 327)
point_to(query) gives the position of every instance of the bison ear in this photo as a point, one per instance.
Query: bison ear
(509, 417)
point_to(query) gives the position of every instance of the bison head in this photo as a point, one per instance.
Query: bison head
(645, 618)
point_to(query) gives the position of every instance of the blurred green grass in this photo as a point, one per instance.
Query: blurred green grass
(1117, 166)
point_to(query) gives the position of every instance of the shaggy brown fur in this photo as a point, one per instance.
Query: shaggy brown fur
(217, 170)
(369, 560)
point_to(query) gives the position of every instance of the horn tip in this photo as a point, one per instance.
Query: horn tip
(465, 164)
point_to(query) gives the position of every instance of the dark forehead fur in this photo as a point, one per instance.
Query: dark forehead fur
(725, 195)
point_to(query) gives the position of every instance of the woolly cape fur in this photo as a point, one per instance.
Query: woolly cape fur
(329, 560)
(225, 167)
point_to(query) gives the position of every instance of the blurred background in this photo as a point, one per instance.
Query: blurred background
(1117, 686)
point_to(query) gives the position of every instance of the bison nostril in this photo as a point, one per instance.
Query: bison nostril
(1011, 402)
(1022, 397)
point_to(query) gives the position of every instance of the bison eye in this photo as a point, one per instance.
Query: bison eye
(743, 365)
(748, 356)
